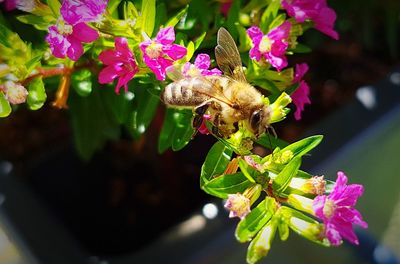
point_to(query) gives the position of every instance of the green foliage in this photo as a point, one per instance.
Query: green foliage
(36, 94)
(223, 185)
(5, 108)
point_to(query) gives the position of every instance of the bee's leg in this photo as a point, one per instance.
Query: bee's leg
(198, 115)
(216, 125)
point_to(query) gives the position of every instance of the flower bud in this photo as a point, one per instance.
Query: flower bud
(15, 93)
(278, 108)
(314, 185)
(284, 157)
(261, 244)
(301, 203)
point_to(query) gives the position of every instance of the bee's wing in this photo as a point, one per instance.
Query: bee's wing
(228, 57)
(174, 72)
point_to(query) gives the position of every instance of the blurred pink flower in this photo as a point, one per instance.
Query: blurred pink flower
(225, 7)
(160, 53)
(203, 128)
(66, 37)
(200, 66)
(337, 211)
(9, 4)
(272, 47)
(301, 96)
(316, 10)
(120, 64)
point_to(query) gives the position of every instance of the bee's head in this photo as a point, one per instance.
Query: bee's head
(259, 120)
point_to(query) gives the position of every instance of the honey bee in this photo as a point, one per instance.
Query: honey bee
(228, 99)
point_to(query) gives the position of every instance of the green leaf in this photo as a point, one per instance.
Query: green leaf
(113, 5)
(223, 185)
(277, 22)
(91, 122)
(183, 131)
(285, 176)
(5, 108)
(175, 19)
(165, 137)
(37, 94)
(190, 50)
(269, 15)
(55, 6)
(244, 167)
(303, 146)
(4, 36)
(148, 16)
(146, 106)
(249, 226)
(39, 22)
(301, 48)
(176, 131)
(33, 63)
(215, 163)
(271, 142)
(199, 40)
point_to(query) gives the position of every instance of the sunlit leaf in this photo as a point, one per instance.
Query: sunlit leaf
(255, 220)
(175, 19)
(215, 163)
(285, 176)
(223, 185)
(148, 16)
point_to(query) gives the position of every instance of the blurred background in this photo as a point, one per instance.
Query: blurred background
(129, 204)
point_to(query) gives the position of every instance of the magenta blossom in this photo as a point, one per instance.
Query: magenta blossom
(160, 53)
(203, 129)
(316, 10)
(66, 40)
(225, 7)
(272, 47)
(66, 37)
(301, 96)
(75, 11)
(9, 4)
(337, 212)
(200, 66)
(120, 64)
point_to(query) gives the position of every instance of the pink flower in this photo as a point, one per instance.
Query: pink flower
(337, 212)
(238, 205)
(66, 37)
(160, 53)
(200, 66)
(300, 96)
(316, 10)
(272, 47)
(75, 11)
(203, 129)
(120, 64)
(66, 40)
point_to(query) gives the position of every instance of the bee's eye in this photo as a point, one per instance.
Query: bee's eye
(255, 120)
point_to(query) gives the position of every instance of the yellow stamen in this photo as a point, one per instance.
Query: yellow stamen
(265, 44)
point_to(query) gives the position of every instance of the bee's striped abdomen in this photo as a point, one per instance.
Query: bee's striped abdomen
(186, 92)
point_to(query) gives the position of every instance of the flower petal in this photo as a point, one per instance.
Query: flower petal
(57, 42)
(74, 51)
(84, 33)
(108, 74)
(202, 61)
(175, 51)
(255, 34)
(166, 35)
